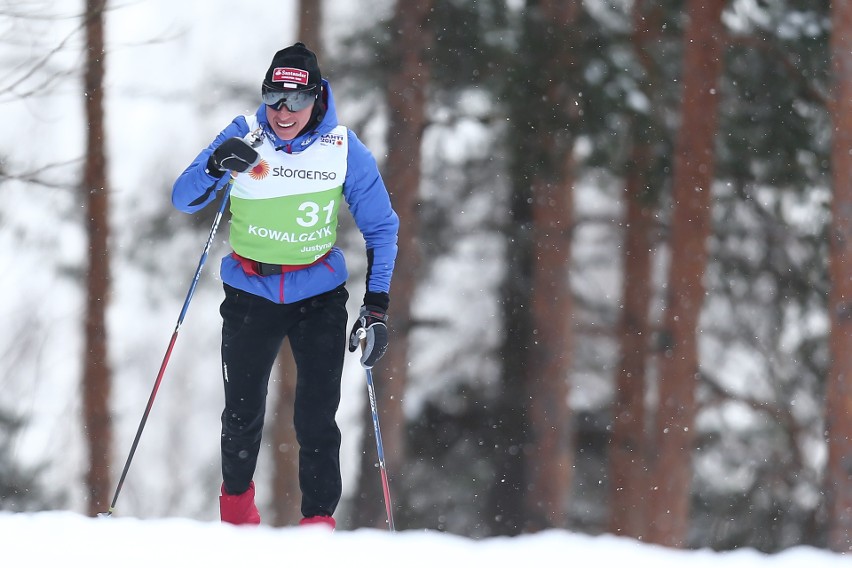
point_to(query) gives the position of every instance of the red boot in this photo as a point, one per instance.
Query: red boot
(239, 509)
(318, 520)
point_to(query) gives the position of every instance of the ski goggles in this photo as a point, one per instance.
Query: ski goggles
(293, 100)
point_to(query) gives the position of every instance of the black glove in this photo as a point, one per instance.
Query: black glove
(372, 327)
(233, 154)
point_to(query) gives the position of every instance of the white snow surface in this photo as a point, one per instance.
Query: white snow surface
(63, 539)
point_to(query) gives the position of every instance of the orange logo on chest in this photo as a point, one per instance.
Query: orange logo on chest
(260, 171)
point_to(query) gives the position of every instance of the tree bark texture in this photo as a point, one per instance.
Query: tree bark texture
(690, 229)
(407, 92)
(534, 423)
(838, 414)
(628, 450)
(96, 370)
(286, 496)
(310, 27)
(549, 452)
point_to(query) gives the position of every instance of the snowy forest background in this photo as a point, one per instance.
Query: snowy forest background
(617, 306)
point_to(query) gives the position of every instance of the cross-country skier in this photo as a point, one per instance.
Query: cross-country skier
(291, 164)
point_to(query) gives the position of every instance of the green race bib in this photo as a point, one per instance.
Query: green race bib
(284, 210)
(294, 229)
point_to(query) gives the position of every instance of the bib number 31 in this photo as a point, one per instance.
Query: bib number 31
(310, 213)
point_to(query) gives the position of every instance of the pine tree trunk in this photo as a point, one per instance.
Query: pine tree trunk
(628, 450)
(406, 95)
(550, 451)
(286, 495)
(838, 413)
(96, 372)
(533, 420)
(694, 168)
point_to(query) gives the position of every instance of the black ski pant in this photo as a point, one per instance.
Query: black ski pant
(253, 330)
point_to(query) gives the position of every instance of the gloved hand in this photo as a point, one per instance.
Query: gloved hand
(372, 327)
(233, 154)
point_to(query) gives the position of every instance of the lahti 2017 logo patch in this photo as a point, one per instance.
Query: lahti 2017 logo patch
(332, 139)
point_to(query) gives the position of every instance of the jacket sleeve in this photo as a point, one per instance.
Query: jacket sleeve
(195, 188)
(369, 202)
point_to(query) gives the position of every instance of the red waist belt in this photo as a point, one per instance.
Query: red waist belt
(256, 268)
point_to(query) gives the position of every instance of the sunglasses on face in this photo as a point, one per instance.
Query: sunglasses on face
(293, 100)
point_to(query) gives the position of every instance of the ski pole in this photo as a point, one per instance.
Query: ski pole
(377, 430)
(226, 193)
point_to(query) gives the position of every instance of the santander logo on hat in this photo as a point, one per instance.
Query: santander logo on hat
(291, 76)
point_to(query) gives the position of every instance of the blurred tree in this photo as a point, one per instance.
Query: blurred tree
(549, 454)
(20, 489)
(447, 466)
(408, 86)
(286, 496)
(838, 478)
(34, 73)
(533, 419)
(96, 380)
(693, 175)
(767, 285)
(628, 450)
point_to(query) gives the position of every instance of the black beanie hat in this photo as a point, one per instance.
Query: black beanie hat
(293, 68)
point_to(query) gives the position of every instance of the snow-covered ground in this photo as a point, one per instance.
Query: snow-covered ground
(45, 540)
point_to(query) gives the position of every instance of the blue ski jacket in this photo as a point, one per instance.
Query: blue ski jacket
(364, 192)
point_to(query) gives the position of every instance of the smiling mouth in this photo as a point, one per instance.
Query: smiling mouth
(287, 125)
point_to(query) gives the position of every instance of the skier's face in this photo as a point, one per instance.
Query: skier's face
(287, 124)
